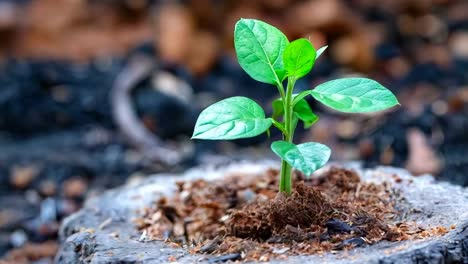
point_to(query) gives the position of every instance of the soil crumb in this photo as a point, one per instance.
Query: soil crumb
(246, 215)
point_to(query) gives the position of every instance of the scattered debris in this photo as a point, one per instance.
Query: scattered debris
(104, 224)
(224, 258)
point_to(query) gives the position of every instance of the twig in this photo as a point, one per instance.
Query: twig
(127, 121)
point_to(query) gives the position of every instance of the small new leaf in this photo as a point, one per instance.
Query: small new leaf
(259, 48)
(299, 58)
(307, 157)
(354, 95)
(320, 51)
(304, 113)
(278, 108)
(231, 118)
(301, 109)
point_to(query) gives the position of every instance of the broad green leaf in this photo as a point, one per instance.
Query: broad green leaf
(307, 157)
(231, 118)
(299, 58)
(320, 51)
(259, 48)
(302, 111)
(354, 95)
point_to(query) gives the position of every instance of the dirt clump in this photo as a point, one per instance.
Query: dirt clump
(304, 208)
(246, 215)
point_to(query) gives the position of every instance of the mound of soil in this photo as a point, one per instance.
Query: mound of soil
(245, 217)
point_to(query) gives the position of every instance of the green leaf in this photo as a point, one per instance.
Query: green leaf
(304, 113)
(320, 51)
(300, 96)
(260, 47)
(278, 108)
(354, 95)
(301, 109)
(307, 157)
(299, 58)
(231, 118)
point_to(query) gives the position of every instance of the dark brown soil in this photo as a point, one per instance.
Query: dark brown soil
(246, 215)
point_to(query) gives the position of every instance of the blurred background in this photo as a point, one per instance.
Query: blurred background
(94, 93)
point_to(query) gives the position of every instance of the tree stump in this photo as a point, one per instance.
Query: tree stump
(103, 231)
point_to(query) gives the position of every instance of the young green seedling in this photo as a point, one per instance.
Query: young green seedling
(267, 56)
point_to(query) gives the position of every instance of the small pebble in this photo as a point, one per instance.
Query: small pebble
(47, 188)
(48, 210)
(18, 238)
(21, 177)
(246, 195)
(74, 187)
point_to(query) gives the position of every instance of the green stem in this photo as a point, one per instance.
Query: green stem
(279, 126)
(280, 87)
(285, 178)
(289, 126)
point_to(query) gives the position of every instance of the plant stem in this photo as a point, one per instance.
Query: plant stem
(279, 126)
(286, 169)
(280, 87)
